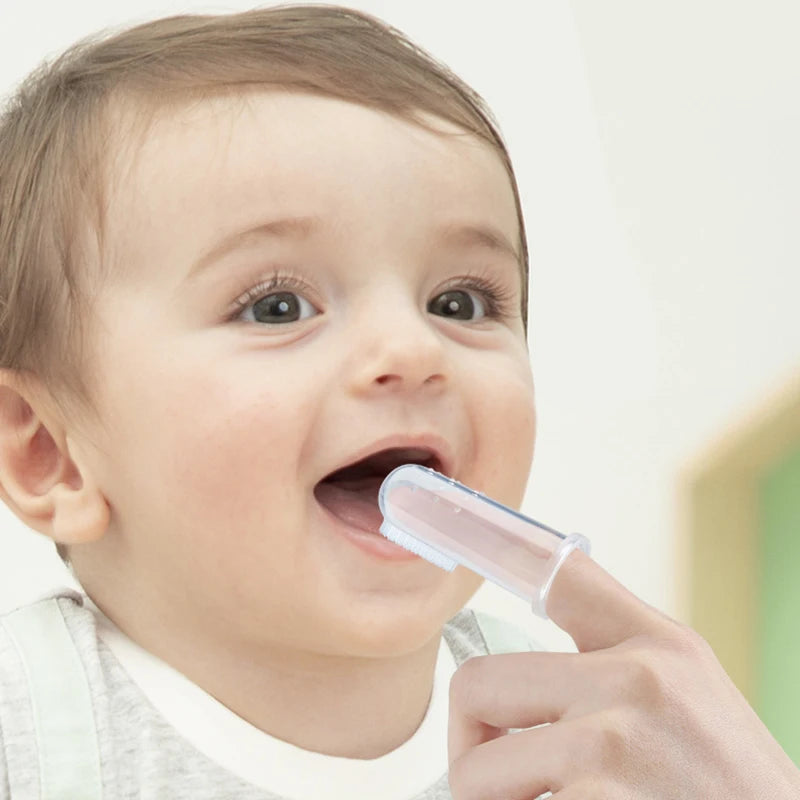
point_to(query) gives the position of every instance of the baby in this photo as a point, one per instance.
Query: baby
(249, 264)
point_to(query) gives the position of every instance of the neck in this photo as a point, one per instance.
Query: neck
(343, 706)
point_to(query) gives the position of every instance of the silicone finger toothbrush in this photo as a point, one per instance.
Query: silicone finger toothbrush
(448, 524)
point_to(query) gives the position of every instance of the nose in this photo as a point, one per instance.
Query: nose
(398, 349)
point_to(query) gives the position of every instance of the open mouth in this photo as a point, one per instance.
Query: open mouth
(351, 493)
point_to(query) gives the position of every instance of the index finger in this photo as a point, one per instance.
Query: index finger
(595, 609)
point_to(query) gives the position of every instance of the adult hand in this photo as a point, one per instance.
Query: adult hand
(644, 710)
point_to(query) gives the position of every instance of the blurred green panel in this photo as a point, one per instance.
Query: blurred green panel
(778, 660)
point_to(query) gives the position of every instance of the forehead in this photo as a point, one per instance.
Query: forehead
(195, 173)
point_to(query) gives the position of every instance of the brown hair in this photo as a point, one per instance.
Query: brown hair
(55, 129)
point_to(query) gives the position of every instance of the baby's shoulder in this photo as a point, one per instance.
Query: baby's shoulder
(39, 633)
(37, 622)
(45, 701)
(40, 637)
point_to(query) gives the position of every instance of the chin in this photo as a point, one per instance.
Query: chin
(400, 626)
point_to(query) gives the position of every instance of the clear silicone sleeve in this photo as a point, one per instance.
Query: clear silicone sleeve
(449, 524)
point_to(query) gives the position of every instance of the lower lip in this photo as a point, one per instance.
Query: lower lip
(374, 544)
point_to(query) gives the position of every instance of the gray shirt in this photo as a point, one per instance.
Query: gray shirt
(140, 754)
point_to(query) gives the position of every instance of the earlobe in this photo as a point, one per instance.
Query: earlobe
(79, 515)
(43, 479)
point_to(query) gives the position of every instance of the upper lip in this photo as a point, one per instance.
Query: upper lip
(433, 443)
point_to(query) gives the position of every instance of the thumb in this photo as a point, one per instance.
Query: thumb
(596, 610)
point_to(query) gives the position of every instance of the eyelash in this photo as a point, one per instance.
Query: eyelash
(499, 300)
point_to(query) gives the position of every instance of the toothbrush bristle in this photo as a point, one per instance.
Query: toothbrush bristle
(414, 545)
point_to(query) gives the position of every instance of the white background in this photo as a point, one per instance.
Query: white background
(656, 147)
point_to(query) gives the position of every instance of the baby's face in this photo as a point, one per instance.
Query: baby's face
(225, 410)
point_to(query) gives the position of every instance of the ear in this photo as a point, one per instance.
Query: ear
(44, 477)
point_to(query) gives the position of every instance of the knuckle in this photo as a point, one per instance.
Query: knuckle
(614, 744)
(604, 745)
(654, 669)
(458, 780)
(592, 788)
(647, 676)
(470, 779)
(604, 789)
(595, 746)
(689, 644)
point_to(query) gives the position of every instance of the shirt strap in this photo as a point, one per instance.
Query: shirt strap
(502, 636)
(69, 758)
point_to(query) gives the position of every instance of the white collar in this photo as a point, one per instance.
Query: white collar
(275, 765)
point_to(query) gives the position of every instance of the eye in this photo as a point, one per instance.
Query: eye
(457, 304)
(278, 307)
(491, 299)
(277, 301)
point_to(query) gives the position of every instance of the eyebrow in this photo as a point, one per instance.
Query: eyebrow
(485, 236)
(299, 228)
(287, 228)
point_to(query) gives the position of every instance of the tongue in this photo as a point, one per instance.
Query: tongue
(353, 501)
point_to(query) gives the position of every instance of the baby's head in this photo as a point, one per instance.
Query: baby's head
(240, 253)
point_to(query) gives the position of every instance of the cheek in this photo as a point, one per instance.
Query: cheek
(508, 437)
(217, 455)
(236, 455)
